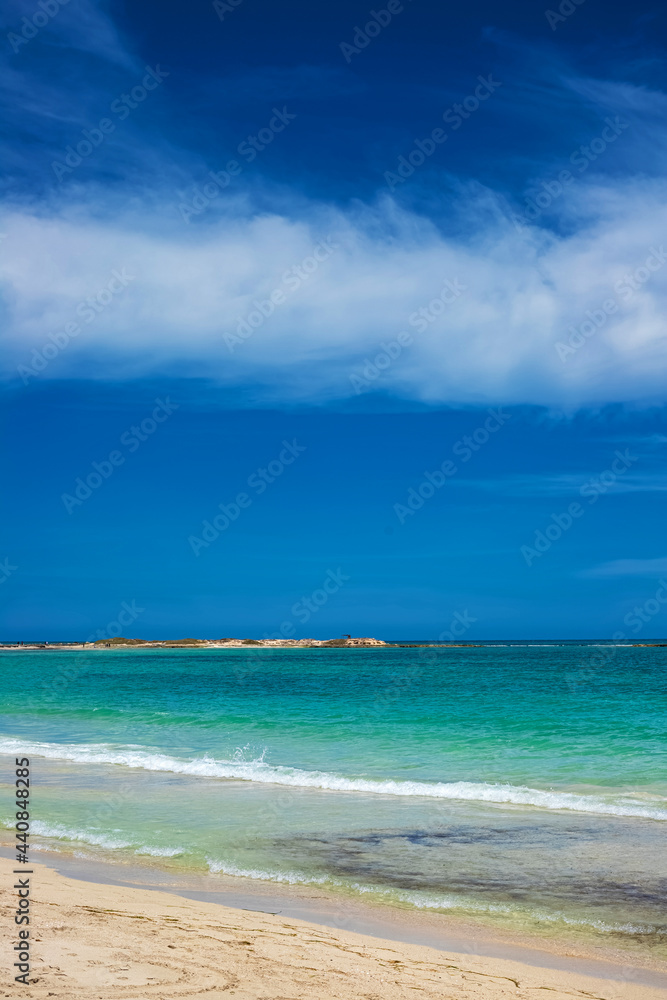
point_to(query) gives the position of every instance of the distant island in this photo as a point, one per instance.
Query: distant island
(231, 642)
(228, 643)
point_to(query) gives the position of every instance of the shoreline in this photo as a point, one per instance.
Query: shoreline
(100, 939)
(413, 928)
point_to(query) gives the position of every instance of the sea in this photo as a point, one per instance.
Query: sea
(523, 785)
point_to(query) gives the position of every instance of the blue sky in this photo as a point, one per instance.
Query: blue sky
(408, 264)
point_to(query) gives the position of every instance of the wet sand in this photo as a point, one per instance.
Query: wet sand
(98, 940)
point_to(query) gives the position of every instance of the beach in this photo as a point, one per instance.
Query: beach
(101, 941)
(507, 803)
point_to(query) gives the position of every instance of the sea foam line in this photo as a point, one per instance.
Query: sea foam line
(96, 838)
(416, 898)
(423, 900)
(261, 772)
(59, 832)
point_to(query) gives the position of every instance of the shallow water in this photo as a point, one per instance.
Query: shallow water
(524, 785)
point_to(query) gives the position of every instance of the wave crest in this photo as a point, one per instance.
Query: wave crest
(277, 774)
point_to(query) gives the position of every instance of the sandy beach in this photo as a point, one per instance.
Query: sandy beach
(103, 941)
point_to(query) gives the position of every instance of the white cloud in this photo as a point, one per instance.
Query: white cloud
(495, 343)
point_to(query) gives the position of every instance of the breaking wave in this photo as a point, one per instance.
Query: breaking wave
(260, 771)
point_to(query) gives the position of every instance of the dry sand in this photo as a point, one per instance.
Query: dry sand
(107, 942)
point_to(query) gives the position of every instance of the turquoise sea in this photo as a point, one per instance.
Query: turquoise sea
(522, 785)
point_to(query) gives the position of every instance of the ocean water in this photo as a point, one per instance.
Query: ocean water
(524, 786)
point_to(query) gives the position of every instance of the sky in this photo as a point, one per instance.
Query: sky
(339, 319)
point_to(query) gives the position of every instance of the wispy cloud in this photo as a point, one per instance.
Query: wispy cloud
(497, 343)
(82, 27)
(526, 288)
(564, 484)
(629, 567)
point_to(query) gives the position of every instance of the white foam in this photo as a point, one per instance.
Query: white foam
(423, 900)
(59, 832)
(159, 852)
(260, 771)
(293, 878)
